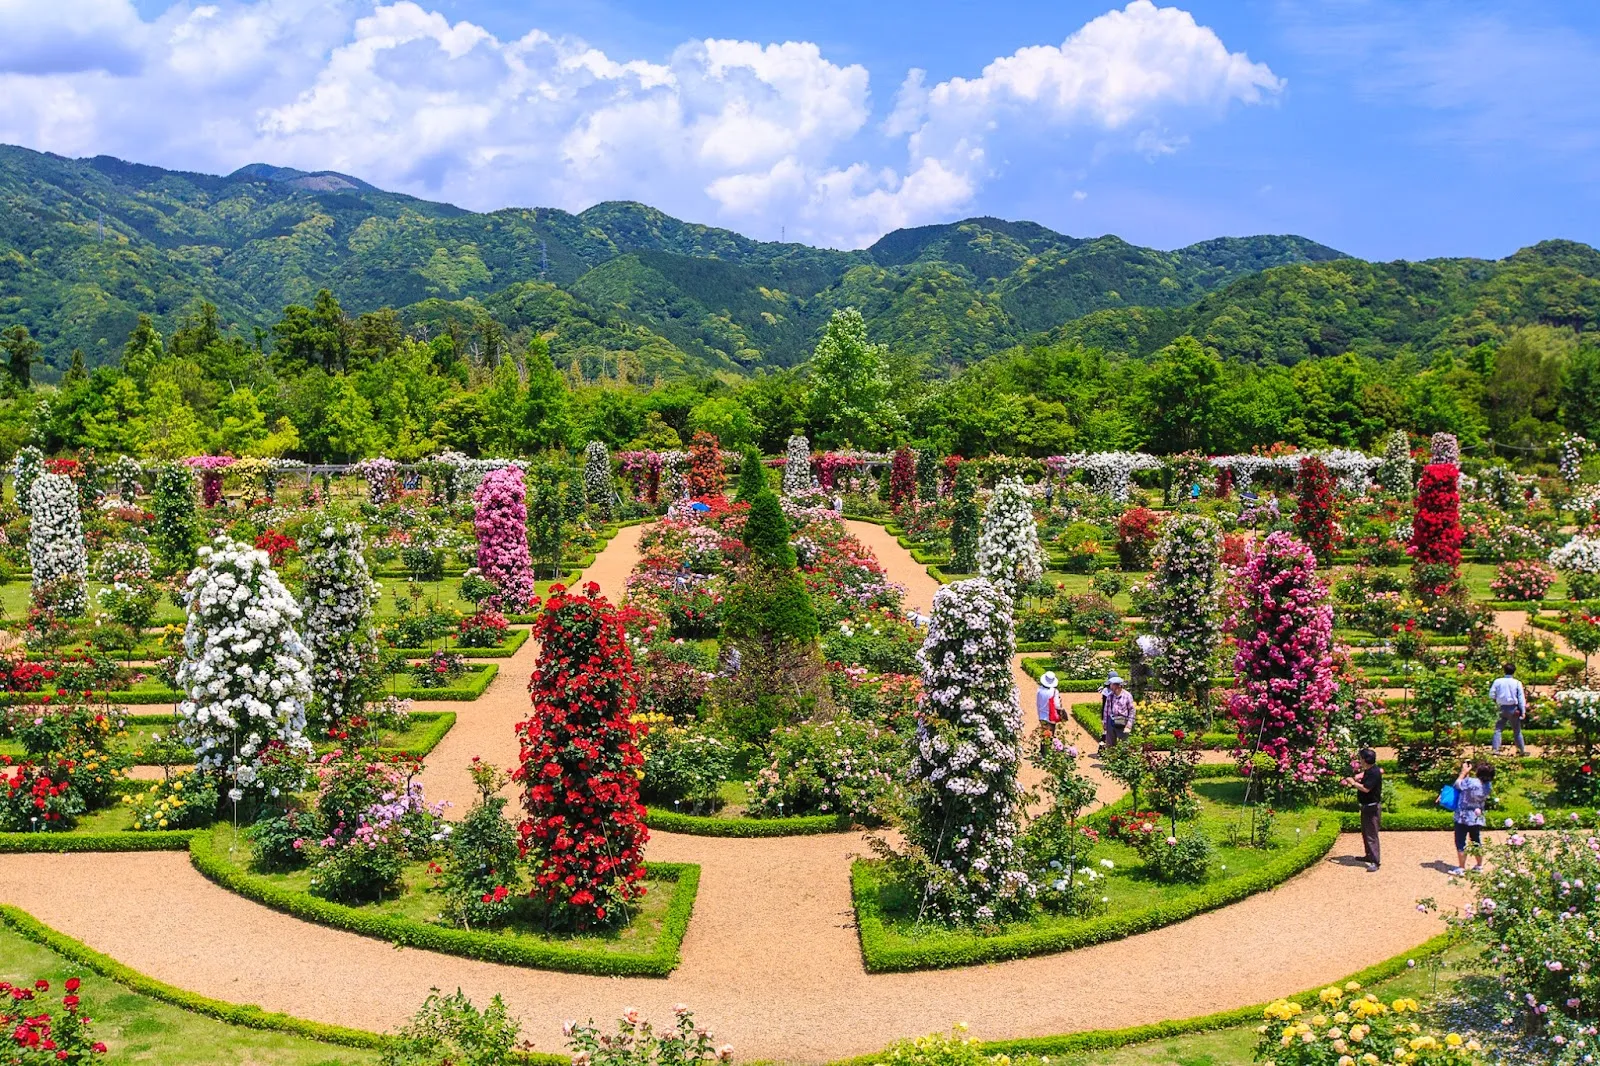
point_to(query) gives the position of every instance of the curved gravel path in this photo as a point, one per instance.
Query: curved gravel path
(771, 961)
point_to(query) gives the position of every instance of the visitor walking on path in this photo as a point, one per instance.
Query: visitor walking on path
(1472, 794)
(1048, 702)
(1369, 799)
(1509, 695)
(1118, 711)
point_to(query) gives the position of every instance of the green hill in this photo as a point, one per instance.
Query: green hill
(86, 245)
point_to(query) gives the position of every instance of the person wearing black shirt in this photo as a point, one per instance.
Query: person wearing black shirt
(1369, 798)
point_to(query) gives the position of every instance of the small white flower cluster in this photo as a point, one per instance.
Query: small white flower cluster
(125, 477)
(1110, 472)
(674, 480)
(1009, 555)
(56, 551)
(1444, 448)
(1580, 555)
(965, 796)
(597, 481)
(339, 599)
(26, 465)
(1569, 457)
(246, 674)
(797, 477)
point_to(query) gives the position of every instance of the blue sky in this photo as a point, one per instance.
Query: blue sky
(1388, 130)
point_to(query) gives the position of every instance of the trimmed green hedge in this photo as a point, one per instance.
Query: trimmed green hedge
(515, 638)
(129, 840)
(1106, 1039)
(695, 825)
(248, 1016)
(467, 687)
(487, 947)
(880, 957)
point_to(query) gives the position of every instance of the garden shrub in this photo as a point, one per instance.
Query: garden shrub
(964, 521)
(176, 531)
(485, 628)
(684, 764)
(1009, 555)
(37, 1035)
(449, 1031)
(963, 773)
(482, 858)
(500, 518)
(439, 670)
(1522, 580)
(1285, 688)
(584, 831)
(1314, 516)
(339, 599)
(1436, 526)
(1183, 857)
(881, 641)
(1186, 602)
(636, 1043)
(245, 674)
(56, 550)
(1345, 1023)
(846, 767)
(1137, 531)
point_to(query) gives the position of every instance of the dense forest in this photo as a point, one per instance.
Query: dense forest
(275, 312)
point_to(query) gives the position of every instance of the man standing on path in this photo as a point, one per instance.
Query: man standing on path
(1369, 798)
(1509, 696)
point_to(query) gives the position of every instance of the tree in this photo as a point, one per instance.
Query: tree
(545, 421)
(1181, 390)
(752, 476)
(243, 424)
(1580, 393)
(584, 832)
(725, 418)
(22, 351)
(346, 426)
(173, 429)
(849, 398)
(315, 336)
(142, 351)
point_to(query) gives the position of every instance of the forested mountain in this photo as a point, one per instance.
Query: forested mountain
(87, 245)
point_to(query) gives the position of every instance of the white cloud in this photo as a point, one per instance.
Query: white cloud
(748, 134)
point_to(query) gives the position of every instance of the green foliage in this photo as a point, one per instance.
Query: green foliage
(766, 532)
(752, 476)
(176, 533)
(450, 1031)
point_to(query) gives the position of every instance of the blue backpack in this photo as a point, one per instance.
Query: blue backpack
(1449, 797)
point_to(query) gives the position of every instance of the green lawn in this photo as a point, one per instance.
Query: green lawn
(138, 1029)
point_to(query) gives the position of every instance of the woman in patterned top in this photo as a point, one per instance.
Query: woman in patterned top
(1472, 795)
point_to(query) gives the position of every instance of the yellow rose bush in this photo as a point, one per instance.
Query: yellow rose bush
(1348, 1027)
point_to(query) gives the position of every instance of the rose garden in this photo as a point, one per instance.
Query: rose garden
(412, 763)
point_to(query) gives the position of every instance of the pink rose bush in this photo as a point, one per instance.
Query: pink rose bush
(500, 517)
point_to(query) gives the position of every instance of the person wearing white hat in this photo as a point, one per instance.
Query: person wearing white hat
(1119, 711)
(1048, 701)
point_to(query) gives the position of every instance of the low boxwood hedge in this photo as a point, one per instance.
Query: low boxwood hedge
(248, 1016)
(695, 825)
(470, 943)
(128, 840)
(881, 957)
(468, 686)
(515, 638)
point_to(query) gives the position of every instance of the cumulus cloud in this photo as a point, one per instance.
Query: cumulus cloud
(744, 133)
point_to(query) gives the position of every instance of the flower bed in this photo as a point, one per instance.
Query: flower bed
(647, 947)
(515, 639)
(891, 946)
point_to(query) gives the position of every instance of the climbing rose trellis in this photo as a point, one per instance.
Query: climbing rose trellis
(1187, 588)
(1436, 533)
(56, 550)
(674, 477)
(597, 482)
(383, 479)
(246, 674)
(339, 599)
(1395, 469)
(210, 469)
(500, 517)
(580, 769)
(1285, 688)
(965, 799)
(26, 465)
(1445, 449)
(797, 479)
(1009, 555)
(1111, 473)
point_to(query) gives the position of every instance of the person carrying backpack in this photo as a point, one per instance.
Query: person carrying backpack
(1472, 795)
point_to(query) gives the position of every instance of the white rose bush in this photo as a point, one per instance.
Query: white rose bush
(340, 596)
(1009, 554)
(965, 800)
(597, 481)
(797, 477)
(56, 549)
(246, 674)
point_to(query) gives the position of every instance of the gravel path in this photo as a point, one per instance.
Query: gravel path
(771, 961)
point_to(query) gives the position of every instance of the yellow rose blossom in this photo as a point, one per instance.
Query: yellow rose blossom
(1453, 1040)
